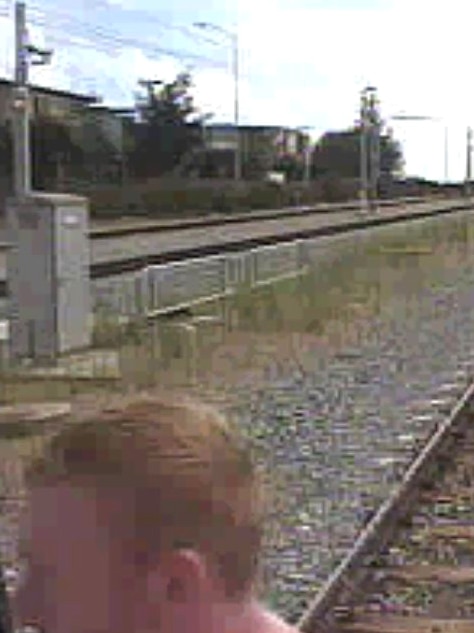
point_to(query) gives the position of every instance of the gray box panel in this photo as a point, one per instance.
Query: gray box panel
(30, 272)
(48, 275)
(72, 270)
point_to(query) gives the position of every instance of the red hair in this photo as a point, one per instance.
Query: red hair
(188, 475)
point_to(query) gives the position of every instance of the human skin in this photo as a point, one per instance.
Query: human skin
(80, 577)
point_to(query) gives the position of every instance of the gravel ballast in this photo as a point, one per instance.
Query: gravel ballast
(337, 409)
(340, 423)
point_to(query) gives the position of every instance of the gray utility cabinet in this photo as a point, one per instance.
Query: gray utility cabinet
(48, 275)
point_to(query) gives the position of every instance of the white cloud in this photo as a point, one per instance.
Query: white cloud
(6, 47)
(304, 65)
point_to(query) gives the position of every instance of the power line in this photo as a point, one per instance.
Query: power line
(109, 42)
(68, 31)
(111, 51)
(81, 43)
(147, 17)
(108, 39)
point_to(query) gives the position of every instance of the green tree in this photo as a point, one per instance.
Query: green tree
(102, 157)
(291, 166)
(6, 150)
(338, 154)
(259, 155)
(169, 127)
(55, 152)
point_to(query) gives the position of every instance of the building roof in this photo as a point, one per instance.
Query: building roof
(118, 111)
(231, 126)
(228, 127)
(55, 93)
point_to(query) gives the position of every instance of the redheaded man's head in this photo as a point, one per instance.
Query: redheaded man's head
(146, 517)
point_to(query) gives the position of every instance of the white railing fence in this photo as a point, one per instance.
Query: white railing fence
(165, 288)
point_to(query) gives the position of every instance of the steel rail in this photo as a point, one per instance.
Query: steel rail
(341, 588)
(102, 270)
(155, 226)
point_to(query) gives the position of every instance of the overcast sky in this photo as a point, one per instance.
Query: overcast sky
(303, 62)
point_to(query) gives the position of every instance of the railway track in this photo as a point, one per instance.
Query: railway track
(412, 568)
(137, 228)
(119, 229)
(126, 263)
(101, 270)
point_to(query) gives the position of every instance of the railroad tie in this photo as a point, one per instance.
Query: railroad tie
(407, 624)
(430, 573)
(451, 532)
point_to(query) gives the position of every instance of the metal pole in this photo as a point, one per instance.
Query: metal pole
(234, 38)
(378, 153)
(468, 161)
(372, 149)
(375, 159)
(21, 128)
(446, 153)
(306, 153)
(372, 152)
(307, 164)
(363, 153)
(238, 154)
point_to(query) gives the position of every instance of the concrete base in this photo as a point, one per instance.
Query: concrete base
(86, 364)
(34, 412)
(90, 365)
(28, 419)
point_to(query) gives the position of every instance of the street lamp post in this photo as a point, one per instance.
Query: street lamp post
(307, 154)
(233, 37)
(369, 148)
(446, 153)
(307, 164)
(363, 156)
(468, 161)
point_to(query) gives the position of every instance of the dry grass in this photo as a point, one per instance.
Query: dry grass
(268, 331)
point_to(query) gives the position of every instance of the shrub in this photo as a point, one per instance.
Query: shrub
(179, 197)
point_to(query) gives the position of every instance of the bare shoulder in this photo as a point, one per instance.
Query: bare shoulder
(271, 623)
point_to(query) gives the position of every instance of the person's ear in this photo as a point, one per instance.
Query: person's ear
(180, 576)
(187, 576)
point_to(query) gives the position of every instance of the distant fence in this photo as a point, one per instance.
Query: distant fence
(166, 288)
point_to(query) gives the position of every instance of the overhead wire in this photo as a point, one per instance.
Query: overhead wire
(107, 41)
(114, 38)
(68, 30)
(144, 16)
